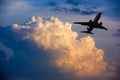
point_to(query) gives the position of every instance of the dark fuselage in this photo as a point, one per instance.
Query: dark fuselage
(94, 25)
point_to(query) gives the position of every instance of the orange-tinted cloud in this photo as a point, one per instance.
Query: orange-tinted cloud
(69, 55)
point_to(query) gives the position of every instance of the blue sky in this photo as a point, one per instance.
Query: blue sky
(23, 59)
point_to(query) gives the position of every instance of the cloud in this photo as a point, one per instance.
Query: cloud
(86, 7)
(68, 55)
(77, 7)
(13, 6)
(5, 51)
(16, 26)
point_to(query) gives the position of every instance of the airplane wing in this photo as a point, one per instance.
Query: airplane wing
(82, 23)
(102, 27)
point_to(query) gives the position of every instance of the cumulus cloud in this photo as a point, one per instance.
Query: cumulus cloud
(16, 26)
(66, 53)
(69, 55)
(8, 52)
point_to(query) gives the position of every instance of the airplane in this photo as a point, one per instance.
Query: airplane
(92, 24)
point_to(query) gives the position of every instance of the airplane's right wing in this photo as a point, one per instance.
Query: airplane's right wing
(82, 23)
(102, 27)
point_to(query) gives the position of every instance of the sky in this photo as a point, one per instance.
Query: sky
(38, 40)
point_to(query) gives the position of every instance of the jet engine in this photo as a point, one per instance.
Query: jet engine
(100, 23)
(90, 21)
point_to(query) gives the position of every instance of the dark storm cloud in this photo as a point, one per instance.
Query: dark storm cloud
(74, 10)
(109, 8)
(74, 6)
(88, 7)
(43, 3)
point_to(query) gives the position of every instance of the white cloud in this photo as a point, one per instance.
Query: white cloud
(34, 20)
(16, 26)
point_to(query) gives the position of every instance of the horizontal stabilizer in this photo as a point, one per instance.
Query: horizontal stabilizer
(87, 32)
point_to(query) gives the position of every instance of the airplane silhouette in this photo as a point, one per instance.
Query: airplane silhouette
(92, 24)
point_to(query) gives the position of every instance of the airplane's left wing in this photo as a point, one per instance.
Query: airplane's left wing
(82, 23)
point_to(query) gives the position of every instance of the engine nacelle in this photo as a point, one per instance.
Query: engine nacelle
(90, 21)
(100, 23)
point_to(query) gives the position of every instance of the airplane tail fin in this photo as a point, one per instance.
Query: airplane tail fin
(87, 32)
